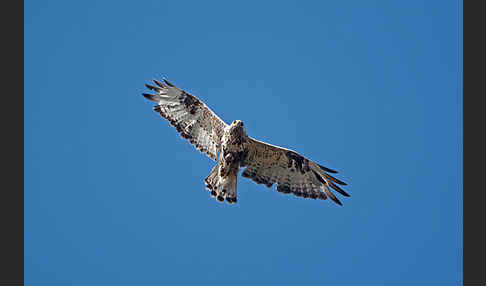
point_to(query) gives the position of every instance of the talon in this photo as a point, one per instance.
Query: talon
(220, 198)
(213, 193)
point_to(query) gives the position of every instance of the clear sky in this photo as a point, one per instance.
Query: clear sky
(113, 195)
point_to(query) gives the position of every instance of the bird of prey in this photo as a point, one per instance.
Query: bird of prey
(264, 163)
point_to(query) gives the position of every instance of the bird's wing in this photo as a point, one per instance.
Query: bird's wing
(268, 164)
(189, 115)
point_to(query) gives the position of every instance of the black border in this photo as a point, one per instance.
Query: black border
(474, 92)
(12, 138)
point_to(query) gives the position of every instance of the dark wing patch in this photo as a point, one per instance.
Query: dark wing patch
(189, 115)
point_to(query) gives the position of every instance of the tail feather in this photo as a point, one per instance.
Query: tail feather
(222, 188)
(228, 187)
(212, 179)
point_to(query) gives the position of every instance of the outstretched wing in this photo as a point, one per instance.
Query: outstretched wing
(189, 115)
(268, 164)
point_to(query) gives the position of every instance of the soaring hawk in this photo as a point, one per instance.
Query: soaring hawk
(265, 163)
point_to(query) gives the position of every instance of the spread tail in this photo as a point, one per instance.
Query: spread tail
(223, 188)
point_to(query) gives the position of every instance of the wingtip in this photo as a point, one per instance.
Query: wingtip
(158, 83)
(167, 82)
(335, 180)
(327, 169)
(338, 189)
(151, 87)
(331, 195)
(148, 96)
(336, 200)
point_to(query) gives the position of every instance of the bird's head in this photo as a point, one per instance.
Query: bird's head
(237, 128)
(238, 123)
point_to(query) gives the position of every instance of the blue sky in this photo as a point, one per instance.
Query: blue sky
(113, 196)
